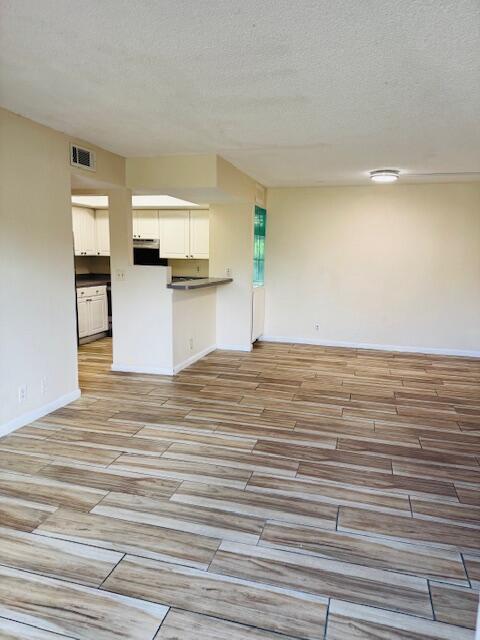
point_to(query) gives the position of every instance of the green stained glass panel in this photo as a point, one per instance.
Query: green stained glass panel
(259, 230)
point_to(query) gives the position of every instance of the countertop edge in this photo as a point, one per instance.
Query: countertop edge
(187, 285)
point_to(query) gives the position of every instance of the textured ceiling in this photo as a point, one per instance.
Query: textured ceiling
(293, 93)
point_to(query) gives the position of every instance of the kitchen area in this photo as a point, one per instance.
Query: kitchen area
(169, 236)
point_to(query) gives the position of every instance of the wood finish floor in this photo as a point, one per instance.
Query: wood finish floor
(291, 493)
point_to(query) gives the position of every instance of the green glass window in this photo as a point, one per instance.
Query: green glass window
(260, 224)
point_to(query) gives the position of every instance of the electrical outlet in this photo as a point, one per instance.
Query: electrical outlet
(198, 268)
(316, 326)
(190, 344)
(120, 275)
(228, 272)
(22, 393)
(43, 386)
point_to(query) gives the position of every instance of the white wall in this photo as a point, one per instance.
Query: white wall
(37, 308)
(194, 324)
(141, 302)
(231, 245)
(390, 266)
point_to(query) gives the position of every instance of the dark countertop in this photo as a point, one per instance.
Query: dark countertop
(198, 283)
(92, 279)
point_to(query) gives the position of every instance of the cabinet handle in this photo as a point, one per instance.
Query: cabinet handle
(89, 299)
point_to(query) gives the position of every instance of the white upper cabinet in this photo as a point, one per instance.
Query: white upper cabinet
(174, 233)
(184, 234)
(199, 233)
(145, 224)
(102, 232)
(84, 233)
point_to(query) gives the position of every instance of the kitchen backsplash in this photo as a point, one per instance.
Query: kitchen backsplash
(92, 264)
(189, 267)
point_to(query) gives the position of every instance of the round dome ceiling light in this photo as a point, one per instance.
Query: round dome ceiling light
(384, 176)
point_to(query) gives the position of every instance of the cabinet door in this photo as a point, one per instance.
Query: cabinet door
(174, 234)
(199, 234)
(98, 317)
(88, 233)
(83, 318)
(135, 215)
(77, 222)
(145, 224)
(102, 232)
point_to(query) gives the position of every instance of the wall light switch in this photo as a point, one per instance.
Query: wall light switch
(120, 275)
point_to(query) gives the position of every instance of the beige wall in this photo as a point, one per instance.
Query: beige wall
(37, 312)
(391, 266)
(194, 325)
(231, 245)
(38, 346)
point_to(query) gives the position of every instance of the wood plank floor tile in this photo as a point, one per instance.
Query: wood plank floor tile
(193, 626)
(407, 529)
(446, 512)
(56, 558)
(246, 602)
(49, 491)
(74, 610)
(324, 577)
(472, 566)
(234, 459)
(22, 515)
(197, 520)
(461, 475)
(259, 505)
(57, 450)
(428, 562)
(393, 483)
(138, 539)
(108, 441)
(19, 462)
(108, 479)
(347, 621)
(11, 630)
(182, 435)
(330, 493)
(455, 605)
(409, 453)
(183, 470)
(325, 456)
(468, 496)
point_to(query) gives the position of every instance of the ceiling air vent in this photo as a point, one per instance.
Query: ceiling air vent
(83, 158)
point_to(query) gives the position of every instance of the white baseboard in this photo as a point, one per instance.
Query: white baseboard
(35, 414)
(376, 347)
(194, 358)
(132, 368)
(234, 347)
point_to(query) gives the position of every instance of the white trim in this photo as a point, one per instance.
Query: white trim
(35, 414)
(194, 358)
(234, 347)
(133, 368)
(376, 347)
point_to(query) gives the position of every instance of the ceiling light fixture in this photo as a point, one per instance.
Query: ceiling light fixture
(384, 176)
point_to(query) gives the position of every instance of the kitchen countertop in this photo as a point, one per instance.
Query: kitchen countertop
(92, 279)
(198, 283)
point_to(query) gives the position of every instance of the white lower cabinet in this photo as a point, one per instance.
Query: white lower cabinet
(92, 311)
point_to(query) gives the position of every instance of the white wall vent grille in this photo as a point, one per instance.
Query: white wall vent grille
(83, 158)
